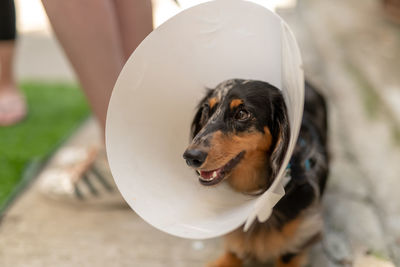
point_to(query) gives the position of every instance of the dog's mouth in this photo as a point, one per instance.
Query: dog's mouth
(214, 177)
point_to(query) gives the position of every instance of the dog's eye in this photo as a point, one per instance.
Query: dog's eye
(242, 115)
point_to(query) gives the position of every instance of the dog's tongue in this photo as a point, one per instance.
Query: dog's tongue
(210, 175)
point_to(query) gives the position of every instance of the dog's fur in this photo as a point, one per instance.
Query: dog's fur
(244, 123)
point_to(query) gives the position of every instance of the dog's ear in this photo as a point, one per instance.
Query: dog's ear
(196, 126)
(280, 133)
(197, 123)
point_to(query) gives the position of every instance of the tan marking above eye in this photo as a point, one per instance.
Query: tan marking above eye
(212, 102)
(235, 103)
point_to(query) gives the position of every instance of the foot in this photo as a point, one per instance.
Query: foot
(79, 175)
(12, 106)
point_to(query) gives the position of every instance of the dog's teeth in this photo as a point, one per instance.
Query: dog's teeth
(214, 174)
(198, 172)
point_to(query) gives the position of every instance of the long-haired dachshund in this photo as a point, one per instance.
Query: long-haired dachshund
(240, 134)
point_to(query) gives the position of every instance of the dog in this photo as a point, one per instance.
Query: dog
(240, 134)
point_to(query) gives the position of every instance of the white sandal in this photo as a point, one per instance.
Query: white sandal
(78, 174)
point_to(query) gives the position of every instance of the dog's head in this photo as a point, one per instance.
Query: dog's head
(240, 132)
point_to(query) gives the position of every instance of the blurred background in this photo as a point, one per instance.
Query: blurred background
(351, 51)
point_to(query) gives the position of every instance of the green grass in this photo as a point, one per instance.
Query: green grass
(54, 111)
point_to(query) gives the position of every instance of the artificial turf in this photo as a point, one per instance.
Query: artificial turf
(55, 110)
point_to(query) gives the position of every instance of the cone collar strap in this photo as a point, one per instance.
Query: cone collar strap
(154, 101)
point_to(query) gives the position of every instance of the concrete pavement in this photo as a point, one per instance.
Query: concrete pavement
(353, 54)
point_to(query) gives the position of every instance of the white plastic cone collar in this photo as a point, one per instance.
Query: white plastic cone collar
(153, 104)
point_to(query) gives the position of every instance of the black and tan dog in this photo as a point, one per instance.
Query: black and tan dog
(240, 134)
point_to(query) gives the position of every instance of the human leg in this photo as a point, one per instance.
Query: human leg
(12, 102)
(88, 32)
(91, 32)
(135, 21)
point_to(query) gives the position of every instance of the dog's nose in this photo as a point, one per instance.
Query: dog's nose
(194, 157)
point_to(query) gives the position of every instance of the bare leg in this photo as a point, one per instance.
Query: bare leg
(97, 37)
(6, 63)
(135, 22)
(88, 32)
(12, 102)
